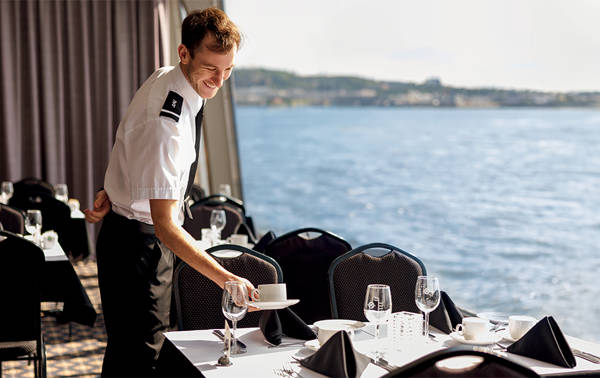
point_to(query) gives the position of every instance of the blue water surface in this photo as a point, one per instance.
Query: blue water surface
(503, 204)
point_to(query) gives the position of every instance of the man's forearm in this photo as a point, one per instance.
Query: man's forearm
(182, 244)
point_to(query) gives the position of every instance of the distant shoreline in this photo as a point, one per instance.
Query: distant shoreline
(262, 87)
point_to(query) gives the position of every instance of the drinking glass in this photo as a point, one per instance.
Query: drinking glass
(234, 305)
(33, 224)
(61, 192)
(6, 191)
(427, 297)
(225, 189)
(378, 307)
(217, 222)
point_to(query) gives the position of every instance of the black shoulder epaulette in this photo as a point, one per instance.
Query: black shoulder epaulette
(172, 106)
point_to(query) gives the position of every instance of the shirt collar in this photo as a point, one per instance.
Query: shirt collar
(189, 94)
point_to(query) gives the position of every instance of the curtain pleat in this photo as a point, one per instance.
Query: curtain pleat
(68, 70)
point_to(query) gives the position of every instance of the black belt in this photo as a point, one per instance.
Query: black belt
(142, 227)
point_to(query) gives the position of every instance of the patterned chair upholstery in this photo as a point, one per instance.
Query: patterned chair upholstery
(350, 274)
(198, 299)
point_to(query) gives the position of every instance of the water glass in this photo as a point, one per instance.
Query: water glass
(217, 222)
(61, 192)
(33, 224)
(405, 328)
(225, 189)
(234, 305)
(6, 191)
(427, 298)
(378, 307)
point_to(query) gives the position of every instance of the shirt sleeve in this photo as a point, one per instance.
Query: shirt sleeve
(154, 151)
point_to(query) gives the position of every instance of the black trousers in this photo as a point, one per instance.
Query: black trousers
(135, 280)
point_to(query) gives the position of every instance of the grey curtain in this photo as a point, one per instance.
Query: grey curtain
(68, 70)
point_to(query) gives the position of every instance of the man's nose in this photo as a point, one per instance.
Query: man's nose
(218, 79)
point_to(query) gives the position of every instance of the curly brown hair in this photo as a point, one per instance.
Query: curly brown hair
(210, 20)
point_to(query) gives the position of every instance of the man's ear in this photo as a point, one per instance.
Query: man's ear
(184, 54)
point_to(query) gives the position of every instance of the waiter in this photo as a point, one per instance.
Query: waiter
(151, 169)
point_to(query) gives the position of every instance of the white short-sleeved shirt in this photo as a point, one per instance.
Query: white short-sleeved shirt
(154, 146)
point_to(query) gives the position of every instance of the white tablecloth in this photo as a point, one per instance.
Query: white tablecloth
(56, 253)
(203, 349)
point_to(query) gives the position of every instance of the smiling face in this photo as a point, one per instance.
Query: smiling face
(206, 70)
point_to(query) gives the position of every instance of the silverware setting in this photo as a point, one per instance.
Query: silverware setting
(221, 336)
(586, 356)
(291, 343)
(287, 370)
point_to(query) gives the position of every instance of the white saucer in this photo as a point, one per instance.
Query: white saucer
(312, 344)
(278, 305)
(335, 324)
(506, 336)
(496, 337)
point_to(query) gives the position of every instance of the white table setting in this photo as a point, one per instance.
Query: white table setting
(388, 341)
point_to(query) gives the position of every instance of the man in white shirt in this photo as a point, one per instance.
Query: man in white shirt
(151, 168)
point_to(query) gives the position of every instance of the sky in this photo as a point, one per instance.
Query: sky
(548, 45)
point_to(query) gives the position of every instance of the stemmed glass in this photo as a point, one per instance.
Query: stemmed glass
(33, 224)
(217, 222)
(427, 298)
(6, 191)
(378, 307)
(235, 306)
(61, 192)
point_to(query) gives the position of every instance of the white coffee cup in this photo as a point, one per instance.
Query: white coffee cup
(270, 293)
(518, 325)
(239, 239)
(474, 329)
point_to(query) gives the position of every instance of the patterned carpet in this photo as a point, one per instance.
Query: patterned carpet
(79, 355)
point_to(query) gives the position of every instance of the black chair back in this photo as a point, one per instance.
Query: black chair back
(488, 365)
(350, 274)
(198, 299)
(33, 186)
(305, 256)
(12, 219)
(21, 264)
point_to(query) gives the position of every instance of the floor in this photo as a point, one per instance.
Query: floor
(79, 355)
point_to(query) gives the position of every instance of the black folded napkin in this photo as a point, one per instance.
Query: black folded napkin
(446, 316)
(337, 358)
(276, 323)
(263, 241)
(545, 342)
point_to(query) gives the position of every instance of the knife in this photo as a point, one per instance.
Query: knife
(220, 335)
(586, 356)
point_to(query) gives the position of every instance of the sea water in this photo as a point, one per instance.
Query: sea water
(503, 205)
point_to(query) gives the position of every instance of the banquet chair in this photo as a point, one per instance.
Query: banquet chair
(21, 338)
(462, 361)
(33, 186)
(12, 219)
(236, 220)
(198, 299)
(305, 255)
(350, 274)
(56, 216)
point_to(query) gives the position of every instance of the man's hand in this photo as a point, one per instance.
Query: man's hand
(101, 208)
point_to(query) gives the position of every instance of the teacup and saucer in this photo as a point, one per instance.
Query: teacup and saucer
(475, 331)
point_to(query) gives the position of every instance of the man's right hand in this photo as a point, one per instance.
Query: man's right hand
(101, 208)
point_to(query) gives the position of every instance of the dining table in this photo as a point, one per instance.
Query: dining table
(195, 353)
(61, 284)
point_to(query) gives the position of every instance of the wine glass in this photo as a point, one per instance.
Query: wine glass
(217, 222)
(378, 307)
(61, 192)
(234, 305)
(225, 189)
(33, 224)
(427, 297)
(6, 191)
